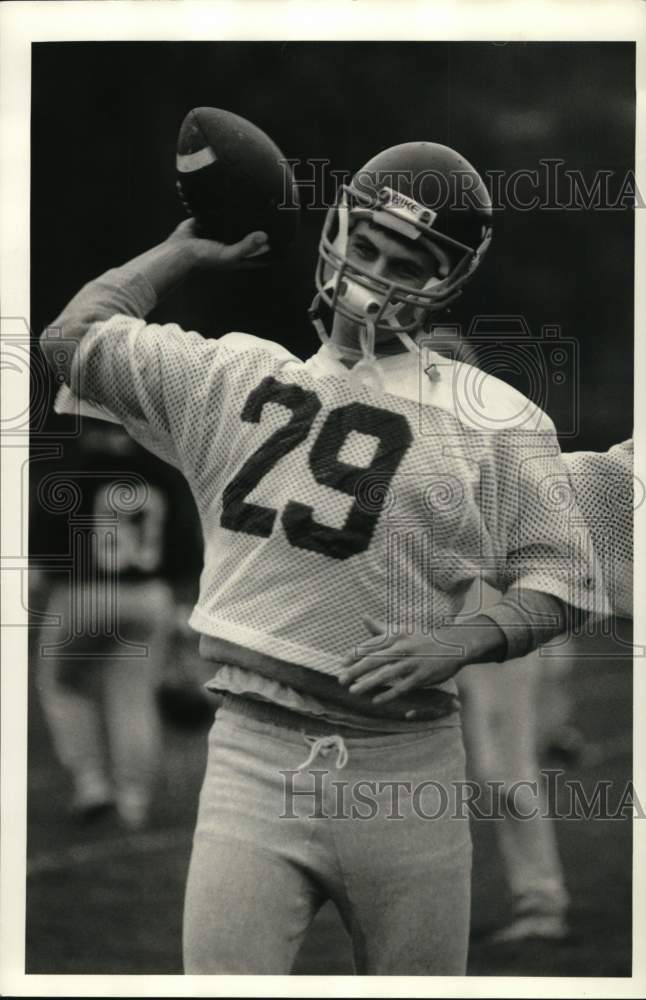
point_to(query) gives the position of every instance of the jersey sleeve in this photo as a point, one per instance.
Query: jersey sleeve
(604, 486)
(541, 539)
(154, 379)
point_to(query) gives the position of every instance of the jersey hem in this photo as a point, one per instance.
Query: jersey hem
(280, 649)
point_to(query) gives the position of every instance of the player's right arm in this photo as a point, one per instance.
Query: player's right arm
(135, 288)
(148, 377)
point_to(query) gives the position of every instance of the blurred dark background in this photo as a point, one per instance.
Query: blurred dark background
(105, 118)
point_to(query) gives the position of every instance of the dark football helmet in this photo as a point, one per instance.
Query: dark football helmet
(419, 191)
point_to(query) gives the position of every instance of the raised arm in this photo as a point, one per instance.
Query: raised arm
(135, 288)
(145, 376)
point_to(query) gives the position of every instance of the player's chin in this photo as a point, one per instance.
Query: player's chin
(351, 330)
(348, 328)
(384, 335)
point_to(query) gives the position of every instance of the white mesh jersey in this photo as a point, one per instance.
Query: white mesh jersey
(604, 486)
(322, 502)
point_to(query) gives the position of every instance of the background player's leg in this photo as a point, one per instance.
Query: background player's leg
(68, 691)
(560, 741)
(130, 683)
(501, 733)
(76, 730)
(529, 845)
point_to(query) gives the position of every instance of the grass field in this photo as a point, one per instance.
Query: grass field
(104, 901)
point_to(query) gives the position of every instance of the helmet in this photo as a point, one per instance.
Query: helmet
(420, 191)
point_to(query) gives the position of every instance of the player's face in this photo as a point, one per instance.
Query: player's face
(388, 258)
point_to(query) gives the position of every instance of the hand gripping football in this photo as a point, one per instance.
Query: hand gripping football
(233, 179)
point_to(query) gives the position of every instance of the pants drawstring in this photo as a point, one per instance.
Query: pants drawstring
(323, 745)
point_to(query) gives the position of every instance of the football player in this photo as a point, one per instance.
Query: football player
(347, 504)
(102, 663)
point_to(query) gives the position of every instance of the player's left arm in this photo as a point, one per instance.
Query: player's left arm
(511, 628)
(608, 493)
(543, 571)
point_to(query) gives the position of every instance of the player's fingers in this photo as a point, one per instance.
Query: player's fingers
(367, 650)
(369, 658)
(358, 655)
(386, 674)
(253, 244)
(400, 687)
(374, 626)
(378, 643)
(258, 252)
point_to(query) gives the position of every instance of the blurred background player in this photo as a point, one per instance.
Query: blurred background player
(500, 713)
(101, 665)
(514, 711)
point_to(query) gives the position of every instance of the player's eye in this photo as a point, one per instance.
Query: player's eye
(408, 272)
(363, 250)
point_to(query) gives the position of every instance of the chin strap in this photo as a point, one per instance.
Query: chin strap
(367, 370)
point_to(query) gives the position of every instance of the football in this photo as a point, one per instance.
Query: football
(233, 179)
